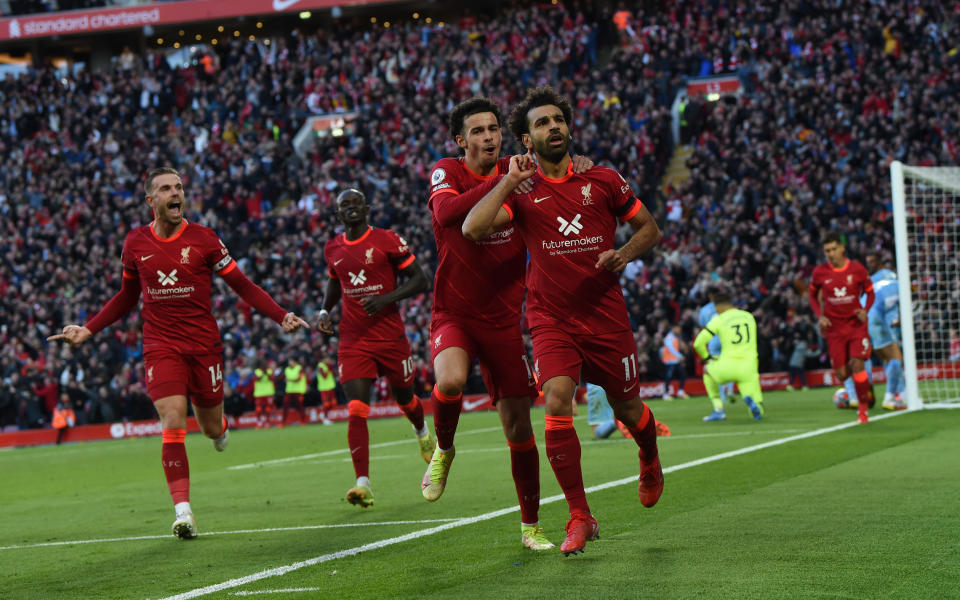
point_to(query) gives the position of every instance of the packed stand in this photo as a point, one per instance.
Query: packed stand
(11, 8)
(833, 96)
(827, 106)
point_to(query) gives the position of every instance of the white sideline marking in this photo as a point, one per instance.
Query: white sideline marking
(276, 571)
(690, 436)
(232, 583)
(278, 461)
(542, 447)
(205, 533)
(285, 591)
(732, 453)
(302, 457)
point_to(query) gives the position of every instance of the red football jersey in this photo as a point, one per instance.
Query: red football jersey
(368, 266)
(480, 280)
(566, 223)
(841, 289)
(176, 277)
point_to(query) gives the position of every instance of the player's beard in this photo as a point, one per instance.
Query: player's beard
(165, 216)
(550, 153)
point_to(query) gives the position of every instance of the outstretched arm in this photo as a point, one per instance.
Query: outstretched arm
(121, 303)
(416, 282)
(646, 236)
(254, 295)
(488, 215)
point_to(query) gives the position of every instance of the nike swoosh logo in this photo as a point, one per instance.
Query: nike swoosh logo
(630, 387)
(283, 4)
(143, 258)
(539, 200)
(216, 389)
(337, 262)
(472, 404)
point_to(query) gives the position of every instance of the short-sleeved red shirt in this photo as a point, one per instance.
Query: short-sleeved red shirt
(566, 224)
(368, 266)
(480, 280)
(842, 289)
(176, 276)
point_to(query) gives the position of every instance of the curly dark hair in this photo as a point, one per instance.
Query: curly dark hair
(539, 96)
(832, 236)
(477, 104)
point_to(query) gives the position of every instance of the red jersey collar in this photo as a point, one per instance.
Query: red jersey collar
(846, 263)
(359, 239)
(561, 179)
(176, 234)
(478, 175)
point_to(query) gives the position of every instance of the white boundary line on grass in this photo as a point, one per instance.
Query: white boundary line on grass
(206, 533)
(329, 453)
(331, 458)
(277, 571)
(310, 527)
(278, 461)
(283, 591)
(504, 448)
(742, 432)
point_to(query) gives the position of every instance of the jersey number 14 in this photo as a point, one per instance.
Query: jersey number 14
(216, 374)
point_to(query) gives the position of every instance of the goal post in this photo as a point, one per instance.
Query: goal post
(926, 223)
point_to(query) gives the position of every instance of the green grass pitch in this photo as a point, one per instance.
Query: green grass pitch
(794, 506)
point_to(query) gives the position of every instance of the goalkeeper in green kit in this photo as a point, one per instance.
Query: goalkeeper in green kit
(737, 330)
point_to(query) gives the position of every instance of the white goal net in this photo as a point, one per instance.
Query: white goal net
(926, 213)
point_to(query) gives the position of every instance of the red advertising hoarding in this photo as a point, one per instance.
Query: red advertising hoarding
(160, 13)
(471, 403)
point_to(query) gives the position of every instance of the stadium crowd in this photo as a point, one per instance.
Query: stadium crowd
(831, 95)
(27, 7)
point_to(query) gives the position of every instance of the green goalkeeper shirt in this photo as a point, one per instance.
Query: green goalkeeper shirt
(737, 330)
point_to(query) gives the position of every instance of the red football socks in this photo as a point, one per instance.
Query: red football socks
(861, 383)
(358, 437)
(525, 465)
(173, 456)
(563, 452)
(446, 416)
(414, 412)
(644, 433)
